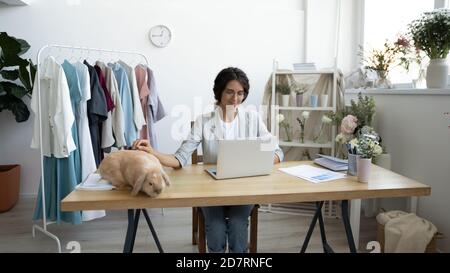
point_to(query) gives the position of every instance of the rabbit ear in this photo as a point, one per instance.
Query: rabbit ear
(138, 184)
(165, 177)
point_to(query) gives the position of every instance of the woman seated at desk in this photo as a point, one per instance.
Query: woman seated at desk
(227, 121)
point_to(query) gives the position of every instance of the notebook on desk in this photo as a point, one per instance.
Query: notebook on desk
(331, 162)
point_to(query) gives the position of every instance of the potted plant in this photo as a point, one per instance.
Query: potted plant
(285, 91)
(367, 148)
(16, 83)
(299, 89)
(431, 34)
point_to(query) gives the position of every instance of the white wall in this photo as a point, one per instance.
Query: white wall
(416, 130)
(207, 36)
(321, 33)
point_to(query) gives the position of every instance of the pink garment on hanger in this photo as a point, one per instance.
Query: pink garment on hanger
(144, 92)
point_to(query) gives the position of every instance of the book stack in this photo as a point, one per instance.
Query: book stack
(332, 163)
(304, 66)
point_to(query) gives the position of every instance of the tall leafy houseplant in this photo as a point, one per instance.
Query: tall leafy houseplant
(431, 34)
(17, 76)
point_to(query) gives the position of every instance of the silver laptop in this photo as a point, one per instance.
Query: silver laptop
(241, 158)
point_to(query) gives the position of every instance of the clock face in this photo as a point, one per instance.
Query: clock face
(160, 35)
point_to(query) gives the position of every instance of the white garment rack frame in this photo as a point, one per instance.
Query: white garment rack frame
(43, 229)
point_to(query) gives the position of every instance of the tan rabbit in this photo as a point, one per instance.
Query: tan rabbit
(140, 170)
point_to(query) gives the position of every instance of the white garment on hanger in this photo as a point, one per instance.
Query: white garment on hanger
(56, 108)
(88, 165)
(86, 152)
(138, 114)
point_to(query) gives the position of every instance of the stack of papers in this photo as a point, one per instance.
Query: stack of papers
(94, 182)
(332, 163)
(304, 66)
(312, 174)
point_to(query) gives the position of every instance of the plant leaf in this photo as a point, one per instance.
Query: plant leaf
(11, 49)
(11, 75)
(24, 76)
(24, 46)
(14, 89)
(16, 106)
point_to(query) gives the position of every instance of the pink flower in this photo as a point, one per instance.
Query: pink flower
(349, 124)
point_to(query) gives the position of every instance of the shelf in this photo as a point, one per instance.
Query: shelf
(308, 143)
(294, 108)
(322, 71)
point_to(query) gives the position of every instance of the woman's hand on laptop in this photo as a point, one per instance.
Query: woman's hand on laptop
(142, 145)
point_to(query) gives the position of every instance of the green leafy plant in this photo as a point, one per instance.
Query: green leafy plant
(363, 109)
(368, 147)
(431, 33)
(300, 88)
(283, 89)
(17, 76)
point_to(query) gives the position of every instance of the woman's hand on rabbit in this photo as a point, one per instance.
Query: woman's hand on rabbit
(142, 145)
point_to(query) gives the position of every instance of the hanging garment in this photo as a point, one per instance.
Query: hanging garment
(88, 165)
(57, 121)
(117, 119)
(107, 133)
(126, 101)
(138, 115)
(156, 109)
(61, 175)
(97, 113)
(144, 92)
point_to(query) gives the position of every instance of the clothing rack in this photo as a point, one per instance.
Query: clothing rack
(87, 50)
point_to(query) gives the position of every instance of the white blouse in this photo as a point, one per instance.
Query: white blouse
(56, 108)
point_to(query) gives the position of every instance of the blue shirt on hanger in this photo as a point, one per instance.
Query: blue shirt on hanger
(126, 101)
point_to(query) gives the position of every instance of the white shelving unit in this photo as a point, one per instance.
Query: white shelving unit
(330, 208)
(276, 109)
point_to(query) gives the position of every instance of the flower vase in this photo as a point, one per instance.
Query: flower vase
(288, 134)
(299, 100)
(302, 135)
(383, 81)
(321, 138)
(363, 166)
(420, 82)
(437, 73)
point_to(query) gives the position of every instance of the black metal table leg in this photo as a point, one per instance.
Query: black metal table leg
(150, 225)
(135, 226)
(348, 228)
(130, 228)
(326, 247)
(311, 226)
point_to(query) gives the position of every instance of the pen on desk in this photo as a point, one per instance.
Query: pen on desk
(354, 150)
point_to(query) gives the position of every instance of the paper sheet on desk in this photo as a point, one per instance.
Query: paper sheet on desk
(313, 174)
(94, 182)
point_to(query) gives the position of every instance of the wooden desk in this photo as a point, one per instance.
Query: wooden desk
(192, 186)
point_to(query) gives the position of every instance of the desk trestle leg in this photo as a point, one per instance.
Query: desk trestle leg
(133, 222)
(318, 216)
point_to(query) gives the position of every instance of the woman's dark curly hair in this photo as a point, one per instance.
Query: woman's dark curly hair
(226, 75)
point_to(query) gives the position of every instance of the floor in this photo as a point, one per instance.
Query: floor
(276, 232)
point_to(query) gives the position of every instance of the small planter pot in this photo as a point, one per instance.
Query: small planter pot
(324, 100)
(383, 160)
(313, 100)
(285, 100)
(363, 166)
(9, 186)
